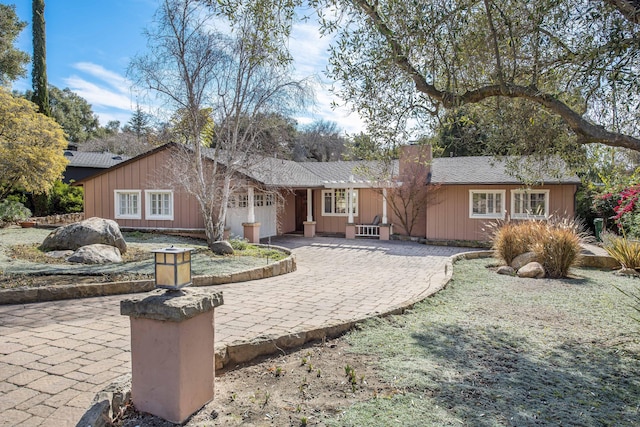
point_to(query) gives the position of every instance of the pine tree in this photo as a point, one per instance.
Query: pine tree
(39, 72)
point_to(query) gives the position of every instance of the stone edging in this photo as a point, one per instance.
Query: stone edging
(59, 292)
(243, 352)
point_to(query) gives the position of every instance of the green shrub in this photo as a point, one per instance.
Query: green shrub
(12, 211)
(623, 250)
(64, 199)
(238, 244)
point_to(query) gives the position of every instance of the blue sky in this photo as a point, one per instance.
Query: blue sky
(90, 44)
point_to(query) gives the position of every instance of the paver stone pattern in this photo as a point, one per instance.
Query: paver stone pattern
(55, 356)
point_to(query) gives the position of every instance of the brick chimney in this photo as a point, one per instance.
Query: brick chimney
(415, 159)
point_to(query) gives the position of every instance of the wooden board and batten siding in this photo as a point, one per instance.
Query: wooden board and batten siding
(450, 219)
(145, 173)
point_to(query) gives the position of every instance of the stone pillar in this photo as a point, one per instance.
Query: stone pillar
(251, 210)
(309, 229)
(172, 351)
(350, 231)
(385, 231)
(252, 231)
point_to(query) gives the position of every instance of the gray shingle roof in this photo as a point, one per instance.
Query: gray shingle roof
(283, 173)
(493, 170)
(287, 173)
(358, 172)
(89, 159)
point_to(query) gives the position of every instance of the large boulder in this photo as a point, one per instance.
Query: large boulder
(88, 232)
(533, 270)
(523, 259)
(221, 247)
(96, 254)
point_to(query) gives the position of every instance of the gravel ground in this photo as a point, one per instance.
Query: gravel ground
(202, 264)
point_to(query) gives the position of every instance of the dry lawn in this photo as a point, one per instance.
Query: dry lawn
(489, 350)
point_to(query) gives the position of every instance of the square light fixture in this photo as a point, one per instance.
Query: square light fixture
(172, 267)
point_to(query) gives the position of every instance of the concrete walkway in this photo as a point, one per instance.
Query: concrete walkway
(55, 356)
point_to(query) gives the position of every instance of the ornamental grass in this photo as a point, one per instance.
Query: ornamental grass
(559, 246)
(511, 238)
(623, 250)
(557, 243)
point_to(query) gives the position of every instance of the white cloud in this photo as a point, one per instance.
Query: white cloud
(310, 54)
(115, 80)
(309, 49)
(98, 95)
(109, 93)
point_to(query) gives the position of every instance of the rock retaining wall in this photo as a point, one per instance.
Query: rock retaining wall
(59, 219)
(28, 295)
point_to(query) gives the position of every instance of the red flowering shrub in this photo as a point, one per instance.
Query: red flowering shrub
(626, 203)
(622, 207)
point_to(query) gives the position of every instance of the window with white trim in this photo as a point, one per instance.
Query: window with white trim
(127, 204)
(486, 204)
(334, 202)
(258, 200)
(159, 204)
(532, 204)
(269, 200)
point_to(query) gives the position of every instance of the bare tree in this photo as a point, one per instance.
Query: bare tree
(321, 141)
(195, 68)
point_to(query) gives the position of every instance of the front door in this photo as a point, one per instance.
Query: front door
(301, 210)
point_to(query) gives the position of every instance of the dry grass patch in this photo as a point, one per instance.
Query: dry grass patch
(557, 242)
(32, 253)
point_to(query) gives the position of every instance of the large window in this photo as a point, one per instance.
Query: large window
(532, 204)
(127, 204)
(159, 204)
(486, 204)
(334, 202)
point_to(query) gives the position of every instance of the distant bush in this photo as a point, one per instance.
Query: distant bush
(556, 242)
(64, 199)
(12, 211)
(623, 250)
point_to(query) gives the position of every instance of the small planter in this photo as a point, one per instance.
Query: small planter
(27, 224)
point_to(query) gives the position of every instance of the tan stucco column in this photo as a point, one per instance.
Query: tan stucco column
(385, 231)
(350, 231)
(172, 351)
(252, 231)
(309, 229)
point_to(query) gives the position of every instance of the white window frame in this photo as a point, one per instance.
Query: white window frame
(258, 200)
(242, 200)
(524, 214)
(147, 202)
(332, 193)
(492, 213)
(134, 215)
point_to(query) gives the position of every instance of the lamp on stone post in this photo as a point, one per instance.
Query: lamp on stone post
(172, 340)
(172, 267)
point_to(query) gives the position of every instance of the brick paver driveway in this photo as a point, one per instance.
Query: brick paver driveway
(55, 356)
